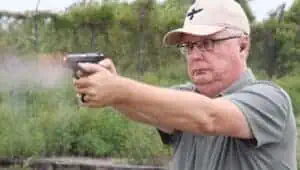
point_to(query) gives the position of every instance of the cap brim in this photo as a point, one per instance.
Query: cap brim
(174, 37)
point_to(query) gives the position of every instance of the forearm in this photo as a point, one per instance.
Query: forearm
(135, 115)
(140, 117)
(169, 108)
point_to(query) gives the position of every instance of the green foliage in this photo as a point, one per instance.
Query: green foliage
(62, 22)
(245, 5)
(275, 47)
(281, 52)
(38, 121)
(293, 14)
(89, 14)
(291, 84)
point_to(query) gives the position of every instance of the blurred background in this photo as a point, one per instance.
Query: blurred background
(39, 114)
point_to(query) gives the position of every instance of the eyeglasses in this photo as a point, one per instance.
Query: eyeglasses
(202, 45)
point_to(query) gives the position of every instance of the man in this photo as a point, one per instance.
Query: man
(224, 119)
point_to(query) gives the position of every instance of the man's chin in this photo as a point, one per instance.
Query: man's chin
(202, 81)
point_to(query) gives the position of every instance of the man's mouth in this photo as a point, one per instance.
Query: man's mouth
(199, 71)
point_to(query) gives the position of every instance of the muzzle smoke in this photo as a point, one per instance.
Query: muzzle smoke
(16, 73)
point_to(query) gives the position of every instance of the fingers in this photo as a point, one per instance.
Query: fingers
(90, 68)
(80, 74)
(108, 64)
(87, 91)
(82, 91)
(83, 82)
(88, 101)
(91, 104)
(88, 83)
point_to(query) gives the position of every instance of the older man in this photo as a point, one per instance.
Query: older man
(224, 119)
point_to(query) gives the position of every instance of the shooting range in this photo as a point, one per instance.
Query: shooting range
(41, 125)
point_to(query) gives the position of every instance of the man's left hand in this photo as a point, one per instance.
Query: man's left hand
(101, 87)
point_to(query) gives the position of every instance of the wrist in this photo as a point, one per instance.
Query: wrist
(122, 90)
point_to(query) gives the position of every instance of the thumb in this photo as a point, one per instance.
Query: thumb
(90, 68)
(108, 64)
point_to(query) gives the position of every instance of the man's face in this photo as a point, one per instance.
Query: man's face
(214, 61)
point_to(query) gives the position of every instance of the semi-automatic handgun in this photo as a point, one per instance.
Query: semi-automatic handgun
(71, 61)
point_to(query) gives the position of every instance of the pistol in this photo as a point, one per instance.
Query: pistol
(71, 61)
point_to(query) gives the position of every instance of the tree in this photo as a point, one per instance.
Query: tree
(245, 5)
(275, 43)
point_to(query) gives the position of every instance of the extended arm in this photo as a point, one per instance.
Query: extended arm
(161, 107)
(184, 111)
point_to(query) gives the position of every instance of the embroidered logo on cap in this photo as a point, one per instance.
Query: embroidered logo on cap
(193, 12)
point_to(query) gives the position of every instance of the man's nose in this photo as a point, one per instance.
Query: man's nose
(195, 54)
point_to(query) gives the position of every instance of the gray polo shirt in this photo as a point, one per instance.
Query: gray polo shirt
(269, 113)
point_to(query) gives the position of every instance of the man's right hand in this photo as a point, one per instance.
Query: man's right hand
(106, 63)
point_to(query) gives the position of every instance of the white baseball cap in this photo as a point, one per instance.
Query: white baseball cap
(207, 17)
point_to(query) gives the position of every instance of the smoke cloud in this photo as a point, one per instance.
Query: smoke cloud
(16, 73)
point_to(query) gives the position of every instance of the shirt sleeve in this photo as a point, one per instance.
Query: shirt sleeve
(266, 108)
(170, 139)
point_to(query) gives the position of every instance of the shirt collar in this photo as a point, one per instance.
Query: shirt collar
(246, 78)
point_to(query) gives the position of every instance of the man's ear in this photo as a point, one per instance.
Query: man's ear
(244, 46)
